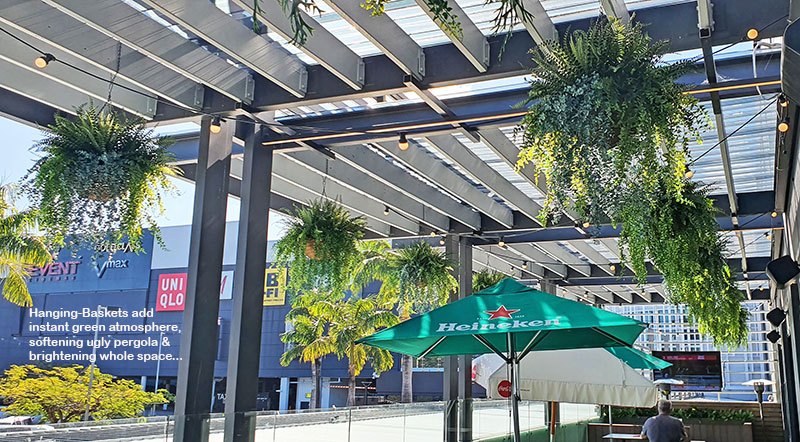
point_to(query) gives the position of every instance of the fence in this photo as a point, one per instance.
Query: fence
(386, 423)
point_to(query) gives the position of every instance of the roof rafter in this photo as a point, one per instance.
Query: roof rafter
(384, 33)
(472, 43)
(322, 45)
(264, 57)
(120, 21)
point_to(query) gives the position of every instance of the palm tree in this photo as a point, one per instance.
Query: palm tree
(417, 277)
(20, 249)
(357, 318)
(308, 337)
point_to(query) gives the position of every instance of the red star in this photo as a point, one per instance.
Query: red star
(502, 312)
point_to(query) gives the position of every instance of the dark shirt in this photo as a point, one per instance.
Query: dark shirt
(663, 428)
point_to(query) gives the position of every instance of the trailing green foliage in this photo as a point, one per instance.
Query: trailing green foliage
(19, 248)
(678, 233)
(319, 247)
(618, 413)
(101, 177)
(485, 279)
(508, 14)
(606, 116)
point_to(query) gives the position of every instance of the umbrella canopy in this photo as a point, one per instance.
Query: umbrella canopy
(564, 376)
(482, 323)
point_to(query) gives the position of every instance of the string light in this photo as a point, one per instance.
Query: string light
(783, 101)
(689, 173)
(433, 234)
(386, 210)
(216, 125)
(501, 243)
(613, 268)
(402, 143)
(42, 61)
(784, 125)
(774, 214)
(752, 34)
(441, 241)
(586, 224)
(524, 265)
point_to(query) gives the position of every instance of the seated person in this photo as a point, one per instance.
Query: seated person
(663, 428)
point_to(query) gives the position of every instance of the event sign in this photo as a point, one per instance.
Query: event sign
(275, 286)
(115, 266)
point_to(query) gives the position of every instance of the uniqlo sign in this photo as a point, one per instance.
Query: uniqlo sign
(171, 292)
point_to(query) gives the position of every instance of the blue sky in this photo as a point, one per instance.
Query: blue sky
(19, 157)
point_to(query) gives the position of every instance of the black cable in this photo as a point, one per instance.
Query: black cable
(734, 132)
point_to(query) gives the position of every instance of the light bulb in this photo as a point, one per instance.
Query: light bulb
(524, 265)
(216, 125)
(433, 234)
(586, 224)
(774, 214)
(689, 174)
(402, 143)
(783, 126)
(752, 34)
(501, 243)
(42, 61)
(441, 242)
(386, 210)
(613, 268)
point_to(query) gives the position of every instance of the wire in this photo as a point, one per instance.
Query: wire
(734, 132)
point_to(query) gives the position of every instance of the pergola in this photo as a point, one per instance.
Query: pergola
(323, 121)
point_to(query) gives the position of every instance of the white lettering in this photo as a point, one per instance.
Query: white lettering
(537, 323)
(463, 327)
(504, 325)
(489, 326)
(552, 321)
(446, 327)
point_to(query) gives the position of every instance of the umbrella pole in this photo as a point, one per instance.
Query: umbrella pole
(515, 387)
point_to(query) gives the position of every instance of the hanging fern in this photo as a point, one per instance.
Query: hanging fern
(508, 14)
(679, 234)
(101, 177)
(320, 246)
(485, 279)
(606, 116)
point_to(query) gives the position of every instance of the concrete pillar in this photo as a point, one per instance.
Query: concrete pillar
(283, 401)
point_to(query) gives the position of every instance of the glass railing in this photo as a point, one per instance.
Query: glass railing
(383, 423)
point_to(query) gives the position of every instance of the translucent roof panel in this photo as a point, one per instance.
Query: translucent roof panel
(751, 149)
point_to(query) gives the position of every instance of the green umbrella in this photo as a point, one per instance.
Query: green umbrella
(511, 320)
(638, 359)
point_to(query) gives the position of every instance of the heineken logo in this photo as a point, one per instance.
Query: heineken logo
(502, 312)
(506, 325)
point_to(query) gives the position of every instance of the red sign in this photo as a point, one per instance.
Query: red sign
(504, 388)
(171, 292)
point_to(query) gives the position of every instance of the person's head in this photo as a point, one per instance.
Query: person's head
(664, 407)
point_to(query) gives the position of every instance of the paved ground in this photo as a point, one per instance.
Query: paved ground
(419, 422)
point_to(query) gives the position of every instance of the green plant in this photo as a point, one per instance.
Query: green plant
(319, 247)
(19, 248)
(102, 177)
(59, 394)
(356, 318)
(485, 279)
(508, 14)
(678, 233)
(606, 116)
(618, 413)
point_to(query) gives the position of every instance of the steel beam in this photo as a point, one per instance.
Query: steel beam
(536, 256)
(375, 165)
(505, 262)
(616, 9)
(26, 111)
(365, 184)
(472, 43)
(592, 255)
(199, 334)
(322, 45)
(539, 26)
(384, 33)
(47, 24)
(562, 255)
(482, 260)
(248, 291)
(139, 103)
(264, 57)
(119, 20)
(421, 162)
(451, 148)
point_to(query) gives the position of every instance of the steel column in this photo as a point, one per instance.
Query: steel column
(450, 386)
(199, 336)
(464, 361)
(248, 290)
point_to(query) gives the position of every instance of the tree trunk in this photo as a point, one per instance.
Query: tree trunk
(316, 384)
(407, 367)
(351, 386)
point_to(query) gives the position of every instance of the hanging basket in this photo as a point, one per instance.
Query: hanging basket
(311, 252)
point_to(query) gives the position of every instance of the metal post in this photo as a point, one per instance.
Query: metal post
(465, 361)
(248, 290)
(451, 363)
(158, 362)
(514, 386)
(199, 334)
(91, 367)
